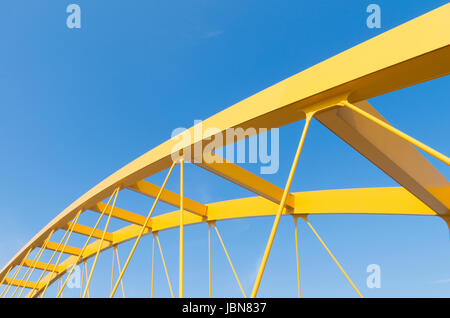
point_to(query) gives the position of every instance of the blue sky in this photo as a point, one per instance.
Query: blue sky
(79, 104)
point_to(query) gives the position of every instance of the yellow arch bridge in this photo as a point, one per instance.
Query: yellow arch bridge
(334, 93)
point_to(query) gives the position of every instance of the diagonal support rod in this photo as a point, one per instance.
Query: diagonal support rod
(229, 260)
(164, 264)
(116, 253)
(399, 133)
(119, 268)
(332, 256)
(281, 206)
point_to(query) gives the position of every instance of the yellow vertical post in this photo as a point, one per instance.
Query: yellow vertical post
(153, 262)
(209, 256)
(144, 226)
(101, 243)
(112, 269)
(181, 232)
(82, 279)
(296, 252)
(281, 207)
(332, 256)
(86, 243)
(86, 277)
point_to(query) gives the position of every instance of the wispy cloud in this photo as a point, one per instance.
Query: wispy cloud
(213, 34)
(442, 281)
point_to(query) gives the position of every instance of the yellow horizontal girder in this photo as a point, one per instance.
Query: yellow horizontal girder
(67, 249)
(20, 283)
(121, 214)
(86, 230)
(41, 265)
(167, 196)
(245, 179)
(385, 63)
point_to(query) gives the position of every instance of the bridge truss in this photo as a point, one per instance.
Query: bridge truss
(334, 93)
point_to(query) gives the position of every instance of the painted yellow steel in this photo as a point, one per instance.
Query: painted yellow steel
(247, 180)
(406, 62)
(120, 269)
(393, 130)
(153, 263)
(281, 206)
(83, 274)
(180, 292)
(101, 242)
(73, 225)
(41, 251)
(41, 265)
(26, 273)
(169, 197)
(3, 280)
(295, 218)
(389, 201)
(10, 283)
(55, 251)
(68, 249)
(79, 257)
(86, 230)
(112, 268)
(121, 214)
(19, 283)
(209, 259)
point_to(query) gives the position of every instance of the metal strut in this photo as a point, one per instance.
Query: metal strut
(332, 256)
(281, 206)
(399, 133)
